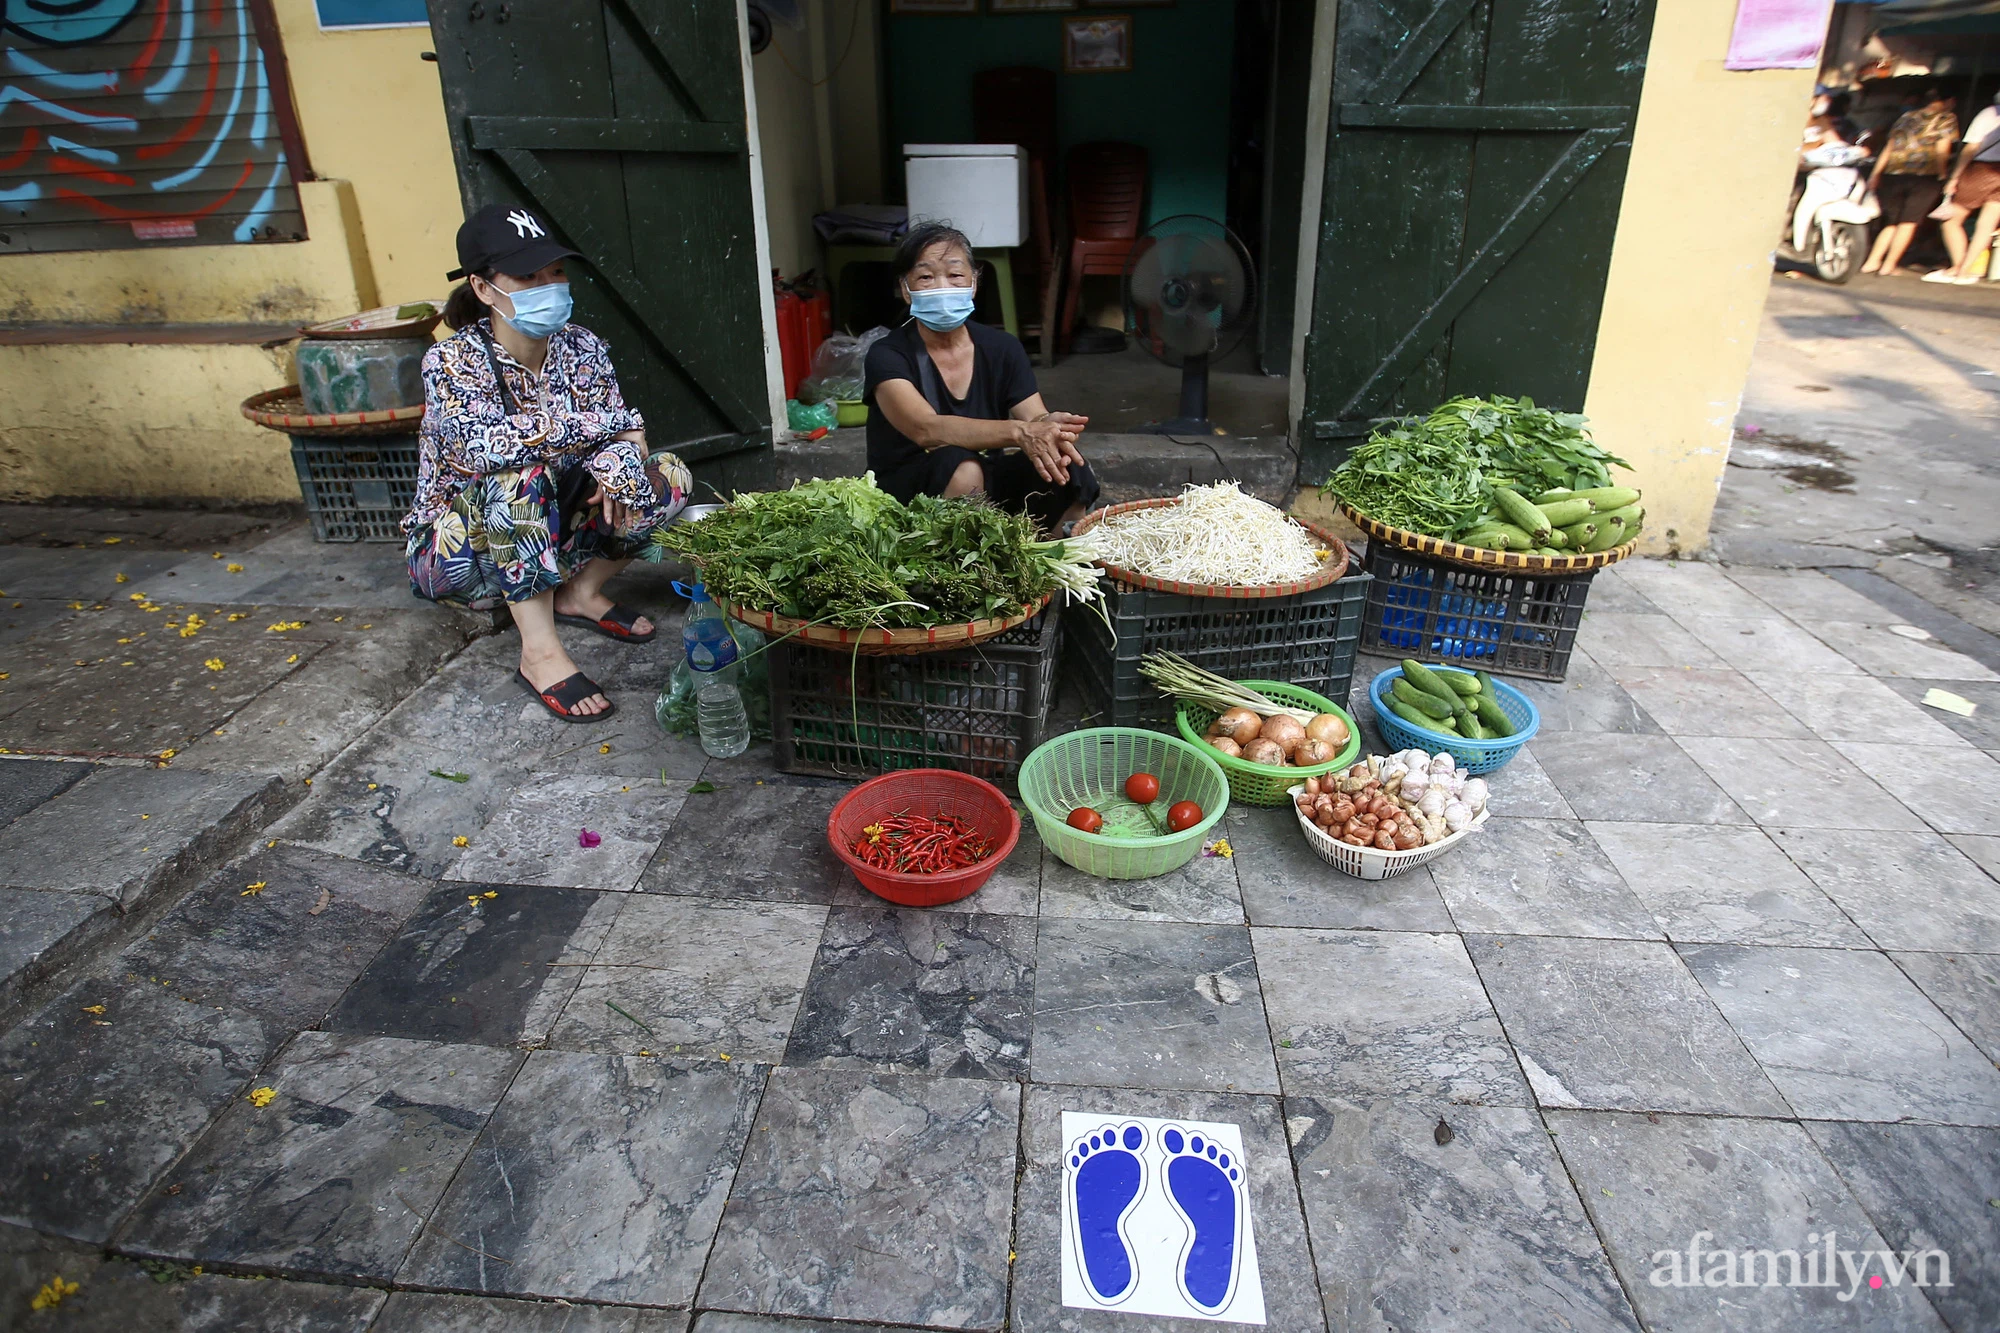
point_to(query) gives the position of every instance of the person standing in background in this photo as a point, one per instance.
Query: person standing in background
(1973, 187)
(1909, 175)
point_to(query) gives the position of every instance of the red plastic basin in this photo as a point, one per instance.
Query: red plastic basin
(924, 791)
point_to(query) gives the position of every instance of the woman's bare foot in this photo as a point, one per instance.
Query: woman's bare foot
(580, 599)
(546, 669)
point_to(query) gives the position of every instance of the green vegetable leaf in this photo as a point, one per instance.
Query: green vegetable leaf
(451, 777)
(701, 789)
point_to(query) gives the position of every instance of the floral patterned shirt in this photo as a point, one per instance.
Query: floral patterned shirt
(570, 411)
(1915, 140)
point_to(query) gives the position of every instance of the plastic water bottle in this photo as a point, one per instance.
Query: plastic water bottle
(711, 655)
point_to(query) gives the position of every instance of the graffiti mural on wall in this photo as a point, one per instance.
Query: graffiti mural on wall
(138, 122)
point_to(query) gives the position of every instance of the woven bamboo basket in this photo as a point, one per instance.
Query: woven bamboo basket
(283, 409)
(1480, 558)
(1330, 570)
(886, 642)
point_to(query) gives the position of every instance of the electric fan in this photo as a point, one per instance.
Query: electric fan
(1190, 291)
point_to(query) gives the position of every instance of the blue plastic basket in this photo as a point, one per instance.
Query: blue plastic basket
(1472, 756)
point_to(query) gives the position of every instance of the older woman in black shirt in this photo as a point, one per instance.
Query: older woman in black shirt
(953, 405)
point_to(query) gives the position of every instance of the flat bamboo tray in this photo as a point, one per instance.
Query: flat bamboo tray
(882, 642)
(283, 409)
(1330, 569)
(381, 322)
(1480, 558)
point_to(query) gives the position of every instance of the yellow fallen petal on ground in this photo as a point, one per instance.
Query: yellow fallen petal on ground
(123, 578)
(93, 1008)
(461, 841)
(489, 894)
(263, 1096)
(254, 889)
(213, 664)
(234, 569)
(52, 1293)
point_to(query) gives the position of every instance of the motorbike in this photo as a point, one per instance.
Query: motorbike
(1829, 224)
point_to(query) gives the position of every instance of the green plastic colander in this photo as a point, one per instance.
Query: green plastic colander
(1090, 768)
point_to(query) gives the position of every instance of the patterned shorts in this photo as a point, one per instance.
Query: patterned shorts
(510, 536)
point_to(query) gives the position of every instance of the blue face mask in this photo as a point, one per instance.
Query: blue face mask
(942, 309)
(540, 311)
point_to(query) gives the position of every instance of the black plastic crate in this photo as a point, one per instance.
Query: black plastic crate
(977, 710)
(357, 489)
(1504, 621)
(1307, 639)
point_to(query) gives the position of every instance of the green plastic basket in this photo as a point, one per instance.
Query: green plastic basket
(1260, 784)
(1090, 768)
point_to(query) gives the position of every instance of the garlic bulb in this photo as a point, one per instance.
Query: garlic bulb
(1441, 763)
(1433, 802)
(1457, 815)
(1474, 793)
(1414, 788)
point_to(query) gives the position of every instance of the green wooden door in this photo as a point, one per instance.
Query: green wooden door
(623, 121)
(1476, 154)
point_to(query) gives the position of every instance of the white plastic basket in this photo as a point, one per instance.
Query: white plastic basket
(1373, 862)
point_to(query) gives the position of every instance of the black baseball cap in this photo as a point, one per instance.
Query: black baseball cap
(517, 241)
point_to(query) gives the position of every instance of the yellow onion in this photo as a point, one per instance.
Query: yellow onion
(1329, 728)
(1287, 731)
(1240, 725)
(1311, 751)
(1226, 746)
(1264, 751)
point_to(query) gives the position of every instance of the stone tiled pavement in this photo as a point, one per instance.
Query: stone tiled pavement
(1726, 961)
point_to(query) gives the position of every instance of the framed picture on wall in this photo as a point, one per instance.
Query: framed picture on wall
(1029, 6)
(933, 6)
(1097, 45)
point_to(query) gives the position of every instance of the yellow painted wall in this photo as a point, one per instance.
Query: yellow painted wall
(1712, 161)
(372, 114)
(141, 424)
(161, 423)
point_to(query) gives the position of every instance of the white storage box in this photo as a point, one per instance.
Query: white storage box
(980, 188)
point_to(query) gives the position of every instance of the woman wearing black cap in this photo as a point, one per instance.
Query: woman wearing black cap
(534, 484)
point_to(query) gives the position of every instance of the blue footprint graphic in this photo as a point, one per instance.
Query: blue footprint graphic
(1205, 1185)
(1106, 1176)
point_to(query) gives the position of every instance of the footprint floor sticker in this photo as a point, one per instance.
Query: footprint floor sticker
(1156, 1219)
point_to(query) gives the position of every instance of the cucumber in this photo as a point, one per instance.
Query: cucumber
(1562, 513)
(1546, 550)
(1493, 718)
(1558, 493)
(1428, 704)
(1608, 536)
(1580, 534)
(1559, 539)
(1416, 718)
(1489, 539)
(1469, 728)
(1607, 498)
(1459, 681)
(1522, 514)
(1626, 515)
(1486, 685)
(1426, 680)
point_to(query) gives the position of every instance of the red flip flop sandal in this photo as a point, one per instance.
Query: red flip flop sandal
(613, 624)
(562, 697)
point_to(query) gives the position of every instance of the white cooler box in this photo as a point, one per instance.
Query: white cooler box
(980, 188)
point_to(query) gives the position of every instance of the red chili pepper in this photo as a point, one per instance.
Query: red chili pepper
(921, 844)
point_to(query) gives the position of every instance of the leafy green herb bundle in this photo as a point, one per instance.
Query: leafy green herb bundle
(1435, 474)
(844, 553)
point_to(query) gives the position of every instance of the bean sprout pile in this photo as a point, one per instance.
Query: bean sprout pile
(1213, 535)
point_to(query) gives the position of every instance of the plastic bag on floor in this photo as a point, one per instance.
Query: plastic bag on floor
(840, 367)
(674, 709)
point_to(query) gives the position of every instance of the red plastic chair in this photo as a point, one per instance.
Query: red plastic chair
(1107, 207)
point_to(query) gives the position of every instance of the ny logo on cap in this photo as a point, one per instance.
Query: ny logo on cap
(524, 223)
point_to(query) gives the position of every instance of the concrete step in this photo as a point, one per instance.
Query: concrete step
(91, 866)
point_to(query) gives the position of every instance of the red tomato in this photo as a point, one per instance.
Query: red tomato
(1183, 815)
(1142, 788)
(1085, 818)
